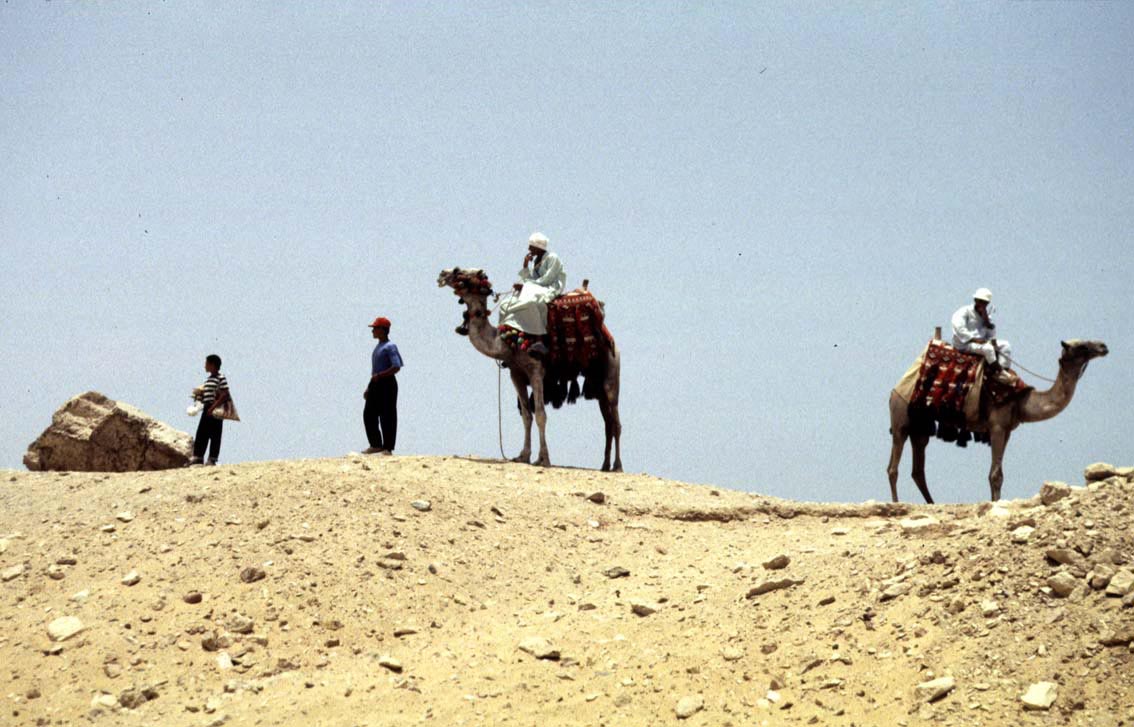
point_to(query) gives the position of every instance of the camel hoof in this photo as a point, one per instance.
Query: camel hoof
(543, 462)
(522, 459)
(617, 467)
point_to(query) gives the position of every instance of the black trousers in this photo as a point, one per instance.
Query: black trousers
(380, 415)
(209, 431)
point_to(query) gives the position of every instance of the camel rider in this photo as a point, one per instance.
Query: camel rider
(542, 279)
(974, 332)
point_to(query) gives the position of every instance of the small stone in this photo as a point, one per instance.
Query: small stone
(9, 574)
(840, 531)
(1040, 696)
(108, 528)
(643, 608)
(1098, 471)
(33, 693)
(1118, 637)
(131, 579)
(132, 698)
(124, 517)
(777, 563)
(55, 573)
(192, 597)
(597, 498)
(896, 590)
(238, 623)
(616, 572)
(988, 609)
(689, 706)
(389, 662)
(422, 505)
(1053, 492)
(112, 669)
(731, 653)
(1121, 583)
(773, 585)
(224, 661)
(925, 525)
(936, 689)
(64, 628)
(3, 545)
(404, 631)
(252, 574)
(1062, 584)
(81, 596)
(1066, 556)
(1022, 534)
(539, 647)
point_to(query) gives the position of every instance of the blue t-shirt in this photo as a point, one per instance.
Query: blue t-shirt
(385, 355)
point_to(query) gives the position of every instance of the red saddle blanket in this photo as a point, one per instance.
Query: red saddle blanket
(945, 380)
(576, 329)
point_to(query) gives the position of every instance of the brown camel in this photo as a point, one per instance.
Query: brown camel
(1034, 406)
(601, 380)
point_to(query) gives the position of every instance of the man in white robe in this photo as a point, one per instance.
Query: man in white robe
(974, 332)
(542, 279)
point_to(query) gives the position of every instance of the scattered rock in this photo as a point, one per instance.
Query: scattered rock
(93, 433)
(988, 609)
(422, 505)
(112, 669)
(1040, 696)
(1121, 583)
(389, 662)
(597, 498)
(1066, 556)
(1053, 492)
(64, 628)
(731, 653)
(12, 573)
(1118, 637)
(689, 706)
(238, 623)
(1062, 584)
(922, 526)
(1022, 534)
(777, 563)
(896, 590)
(252, 574)
(125, 517)
(539, 647)
(131, 579)
(1097, 471)
(935, 689)
(616, 572)
(643, 608)
(773, 585)
(192, 597)
(224, 661)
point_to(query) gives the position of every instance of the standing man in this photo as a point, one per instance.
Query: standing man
(213, 393)
(542, 279)
(974, 332)
(380, 415)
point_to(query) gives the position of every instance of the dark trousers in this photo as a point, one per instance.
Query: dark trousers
(380, 415)
(208, 434)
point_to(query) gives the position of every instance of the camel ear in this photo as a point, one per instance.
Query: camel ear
(1065, 345)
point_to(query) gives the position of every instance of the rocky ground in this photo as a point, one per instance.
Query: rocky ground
(409, 590)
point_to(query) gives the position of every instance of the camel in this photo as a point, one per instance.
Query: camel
(1034, 406)
(601, 381)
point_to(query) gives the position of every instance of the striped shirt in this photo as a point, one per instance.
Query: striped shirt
(215, 383)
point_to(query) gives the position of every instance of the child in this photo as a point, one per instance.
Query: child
(212, 394)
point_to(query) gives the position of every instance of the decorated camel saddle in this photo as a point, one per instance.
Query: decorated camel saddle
(949, 393)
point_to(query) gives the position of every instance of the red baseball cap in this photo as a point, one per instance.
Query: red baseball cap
(381, 322)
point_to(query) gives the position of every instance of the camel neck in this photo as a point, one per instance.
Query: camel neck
(1041, 405)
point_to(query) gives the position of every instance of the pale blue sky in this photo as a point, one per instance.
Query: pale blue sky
(777, 202)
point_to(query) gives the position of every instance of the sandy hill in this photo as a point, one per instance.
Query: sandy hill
(449, 591)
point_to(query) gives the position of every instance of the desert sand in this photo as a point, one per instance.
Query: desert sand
(455, 591)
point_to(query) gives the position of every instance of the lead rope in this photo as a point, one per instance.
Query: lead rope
(1023, 368)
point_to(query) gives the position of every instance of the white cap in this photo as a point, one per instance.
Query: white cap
(538, 239)
(983, 294)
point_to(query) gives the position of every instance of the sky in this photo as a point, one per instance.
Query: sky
(776, 201)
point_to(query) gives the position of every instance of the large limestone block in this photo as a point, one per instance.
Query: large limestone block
(92, 433)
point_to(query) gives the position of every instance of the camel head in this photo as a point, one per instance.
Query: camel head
(472, 288)
(1077, 354)
(470, 282)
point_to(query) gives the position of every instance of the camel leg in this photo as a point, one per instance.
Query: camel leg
(613, 434)
(899, 443)
(998, 438)
(521, 384)
(918, 443)
(541, 420)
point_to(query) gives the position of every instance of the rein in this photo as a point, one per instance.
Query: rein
(1020, 366)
